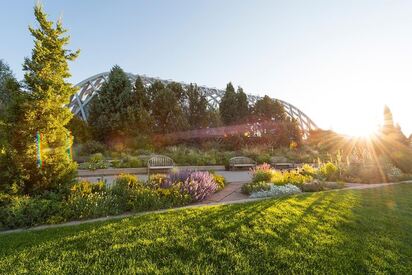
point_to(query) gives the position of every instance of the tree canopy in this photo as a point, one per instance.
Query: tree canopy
(42, 112)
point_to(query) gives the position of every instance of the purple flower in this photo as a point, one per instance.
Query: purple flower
(199, 185)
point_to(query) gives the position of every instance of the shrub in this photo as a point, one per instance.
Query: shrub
(24, 211)
(199, 185)
(121, 189)
(276, 191)
(82, 206)
(308, 170)
(290, 177)
(220, 181)
(126, 181)
(262, 158)
(92, 147)
(128, 162)
(144, 199)
(176, 177)
(393, 173)
(86, 187)
(157, 181)
(251, 187)
(317, 186)
(96, 158)
(328, 171)
(262, 173)
(94, 166)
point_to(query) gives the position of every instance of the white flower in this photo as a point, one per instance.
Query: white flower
(277, 190)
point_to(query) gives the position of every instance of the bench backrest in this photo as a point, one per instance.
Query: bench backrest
(283, 165)
(160, 161)
(278, 159)
(241, 160)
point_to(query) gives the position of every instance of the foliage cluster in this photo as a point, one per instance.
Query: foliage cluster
(316, 186)
(91, 200)
(263, 178)
(251, 187)
(38, 108)
(126, 115)
(276, 191)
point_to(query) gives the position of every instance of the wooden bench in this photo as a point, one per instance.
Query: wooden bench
(159, 163)
(241, 162)
(283, 166)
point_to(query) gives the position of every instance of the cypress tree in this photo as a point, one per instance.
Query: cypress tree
(279, 113)
(242, 105)
(228, 106)
(167, 113)
(141, 94)
(143, 121)
(269, 109)
(9, 88)
(43, 112)
(196, 112)
(113, 111)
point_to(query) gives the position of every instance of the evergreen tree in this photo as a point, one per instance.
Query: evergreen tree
(196, 112)
(113, 111)
(268, 109)
(9, 87)
(5, 76)
(279, 113)
(143, 120)
(388, 124)
(10, 96)
(43, 111)
(294, 131)
(178, 91)
(390, 132)
(80, 130)
(153, 90)
(166, 111)
(141, 94)
(242, 105)
(228, 106)
(5, 71)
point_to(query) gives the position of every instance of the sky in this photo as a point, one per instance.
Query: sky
(339, 62)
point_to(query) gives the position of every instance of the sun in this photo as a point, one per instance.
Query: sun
(363, 131)
(357, 127)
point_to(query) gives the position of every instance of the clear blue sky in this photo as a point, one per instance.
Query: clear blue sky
(338, 61)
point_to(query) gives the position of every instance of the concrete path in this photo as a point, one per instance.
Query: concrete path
(232, 192)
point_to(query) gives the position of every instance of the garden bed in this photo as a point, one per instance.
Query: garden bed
(85, 200)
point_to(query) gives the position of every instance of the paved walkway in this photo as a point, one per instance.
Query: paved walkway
(232, 192)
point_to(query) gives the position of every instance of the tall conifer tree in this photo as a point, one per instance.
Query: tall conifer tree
(242, 105)
(44, 112)
(228, 106)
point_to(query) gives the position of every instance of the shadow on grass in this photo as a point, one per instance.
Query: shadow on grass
(347, 231)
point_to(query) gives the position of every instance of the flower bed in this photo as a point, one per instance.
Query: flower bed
(267, 182)
(90, 200)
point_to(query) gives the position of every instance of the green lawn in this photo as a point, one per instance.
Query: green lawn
(360, 231)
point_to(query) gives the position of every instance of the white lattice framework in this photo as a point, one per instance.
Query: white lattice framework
(89, 87)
